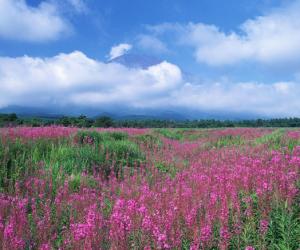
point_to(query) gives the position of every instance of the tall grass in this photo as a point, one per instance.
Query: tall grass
(92, 152)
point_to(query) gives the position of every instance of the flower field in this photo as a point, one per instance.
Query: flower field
(69, 188)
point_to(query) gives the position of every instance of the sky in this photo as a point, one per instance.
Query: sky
(220, 57)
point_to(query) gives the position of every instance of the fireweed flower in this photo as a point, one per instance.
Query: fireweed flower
(224, 233)
(263, 226)
(205, 233)
(208, 187)
(45, 246)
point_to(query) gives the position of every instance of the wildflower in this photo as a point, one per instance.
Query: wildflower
(205, 233)
(45, 246)
(264, 224)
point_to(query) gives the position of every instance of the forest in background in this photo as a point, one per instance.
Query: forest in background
(106, 121)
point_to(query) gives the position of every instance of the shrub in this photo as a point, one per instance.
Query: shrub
(94, 137)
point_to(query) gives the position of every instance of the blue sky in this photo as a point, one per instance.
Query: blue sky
(216, 56)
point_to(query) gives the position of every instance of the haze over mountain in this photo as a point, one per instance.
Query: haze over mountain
(136, 60)
(171, 59)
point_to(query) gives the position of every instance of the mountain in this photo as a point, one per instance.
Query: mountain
(136, 60)
(117, 113)
(121, 113)
(30, 111)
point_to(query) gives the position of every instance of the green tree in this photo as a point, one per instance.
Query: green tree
(104, 121)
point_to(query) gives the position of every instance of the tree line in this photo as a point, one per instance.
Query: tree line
(105, 121)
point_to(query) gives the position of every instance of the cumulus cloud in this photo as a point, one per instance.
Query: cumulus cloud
(20, 21)
(75, 79)
(277, 99)
(119, 50)
(273, 38)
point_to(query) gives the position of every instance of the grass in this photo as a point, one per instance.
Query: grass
(93, 151)
(284, 227)
(277, 140)
(150, 140)
(96, 138)
(273, 140)
(174, 134)
(226, 141)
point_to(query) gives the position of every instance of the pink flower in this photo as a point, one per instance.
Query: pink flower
(264, 224)
(45, 246)
(205, 233)
(224, 233)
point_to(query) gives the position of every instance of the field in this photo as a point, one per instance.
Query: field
(69, 188)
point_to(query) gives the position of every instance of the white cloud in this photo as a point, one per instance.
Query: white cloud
(277, 99)
(151, 43)
(75, 79)
(119, 50)
(20, 21)
(273, 38)
(214, 47)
